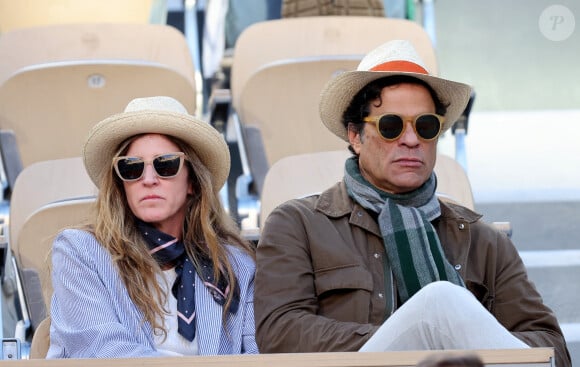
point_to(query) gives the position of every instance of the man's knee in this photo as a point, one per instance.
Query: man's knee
(442, 288)
(446, 293)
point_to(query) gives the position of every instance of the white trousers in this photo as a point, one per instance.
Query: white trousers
(441, 316)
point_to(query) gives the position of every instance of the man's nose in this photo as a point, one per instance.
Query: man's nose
(409, 136)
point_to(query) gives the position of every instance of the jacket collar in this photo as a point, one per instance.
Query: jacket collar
(450, 210)
(335, 203)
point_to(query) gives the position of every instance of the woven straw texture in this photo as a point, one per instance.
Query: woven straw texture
(305, 8)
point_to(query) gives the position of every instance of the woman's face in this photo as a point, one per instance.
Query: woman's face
(161, 202)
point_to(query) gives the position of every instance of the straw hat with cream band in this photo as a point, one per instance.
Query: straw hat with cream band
(397, 57)
(155, 115)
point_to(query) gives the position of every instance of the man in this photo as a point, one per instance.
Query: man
(377, 262)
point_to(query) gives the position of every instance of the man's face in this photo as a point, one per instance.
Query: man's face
(404, 164)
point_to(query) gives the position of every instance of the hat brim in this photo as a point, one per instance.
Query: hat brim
(339, 92)
(105, 138)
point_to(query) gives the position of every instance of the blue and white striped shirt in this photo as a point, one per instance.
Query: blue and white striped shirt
(92, 315)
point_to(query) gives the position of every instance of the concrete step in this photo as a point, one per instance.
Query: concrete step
(551, 258)
(572, 335)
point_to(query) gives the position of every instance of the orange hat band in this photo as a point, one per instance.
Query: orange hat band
(404, 66)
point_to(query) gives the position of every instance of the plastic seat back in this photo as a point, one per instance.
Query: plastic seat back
(52, 107)
(34, 249)
(30, 13)
(309, 174)
(319, 36)
(155, 43)
(40, 340)
(39, 208)
(281, 99)
(45, 182)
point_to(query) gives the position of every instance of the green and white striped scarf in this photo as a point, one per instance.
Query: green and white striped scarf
(411, 243)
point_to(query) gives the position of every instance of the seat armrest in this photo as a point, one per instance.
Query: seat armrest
(219, 106)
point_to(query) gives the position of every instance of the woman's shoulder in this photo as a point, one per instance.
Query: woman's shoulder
(76, 234)
(240, 258)
(76, 239)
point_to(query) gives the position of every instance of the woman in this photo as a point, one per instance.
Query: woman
(160, 269)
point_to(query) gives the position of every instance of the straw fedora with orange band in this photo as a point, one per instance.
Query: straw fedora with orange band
(397, 57)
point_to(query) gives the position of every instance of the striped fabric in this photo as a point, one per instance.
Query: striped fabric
(92, 315)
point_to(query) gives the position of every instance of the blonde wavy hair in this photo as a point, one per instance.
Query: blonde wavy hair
(206, 229)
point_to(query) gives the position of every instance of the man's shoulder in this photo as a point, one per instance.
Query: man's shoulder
(451, 211)
(455, 211)
(333, 201)
(308, 208)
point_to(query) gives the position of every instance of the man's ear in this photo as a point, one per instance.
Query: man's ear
(354, 138)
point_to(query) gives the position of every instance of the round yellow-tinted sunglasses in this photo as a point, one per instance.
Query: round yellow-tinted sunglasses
(391, 126)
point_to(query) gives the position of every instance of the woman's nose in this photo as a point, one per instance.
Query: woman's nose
(150, 176)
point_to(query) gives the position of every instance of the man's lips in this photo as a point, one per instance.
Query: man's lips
(409, 161)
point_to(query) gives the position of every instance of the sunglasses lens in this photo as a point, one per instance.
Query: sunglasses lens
(428, 126)
(390, 126)
(130, 168)
(167, 165)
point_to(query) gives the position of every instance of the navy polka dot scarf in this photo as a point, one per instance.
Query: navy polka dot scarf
(167, 249)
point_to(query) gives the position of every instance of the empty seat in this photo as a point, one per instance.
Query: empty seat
(47, 197)
(30, 13)
(124, 42)
(45, 182)
(34, 247)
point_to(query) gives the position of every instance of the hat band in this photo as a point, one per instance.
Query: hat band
(404, 66)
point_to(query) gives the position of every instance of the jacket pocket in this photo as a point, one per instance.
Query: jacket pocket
(481, 292)
(343, 277)
(344, 293)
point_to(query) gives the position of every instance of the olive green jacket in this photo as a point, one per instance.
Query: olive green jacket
(322, 283)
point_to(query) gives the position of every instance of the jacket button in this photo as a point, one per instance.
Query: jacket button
(458, 267)
(359, 214)
(381, 295)
(461, 226)
(377, 256)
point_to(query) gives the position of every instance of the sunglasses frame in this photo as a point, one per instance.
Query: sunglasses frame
(116, 160)
(375, 120)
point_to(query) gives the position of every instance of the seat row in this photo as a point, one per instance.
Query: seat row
(80, 73)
